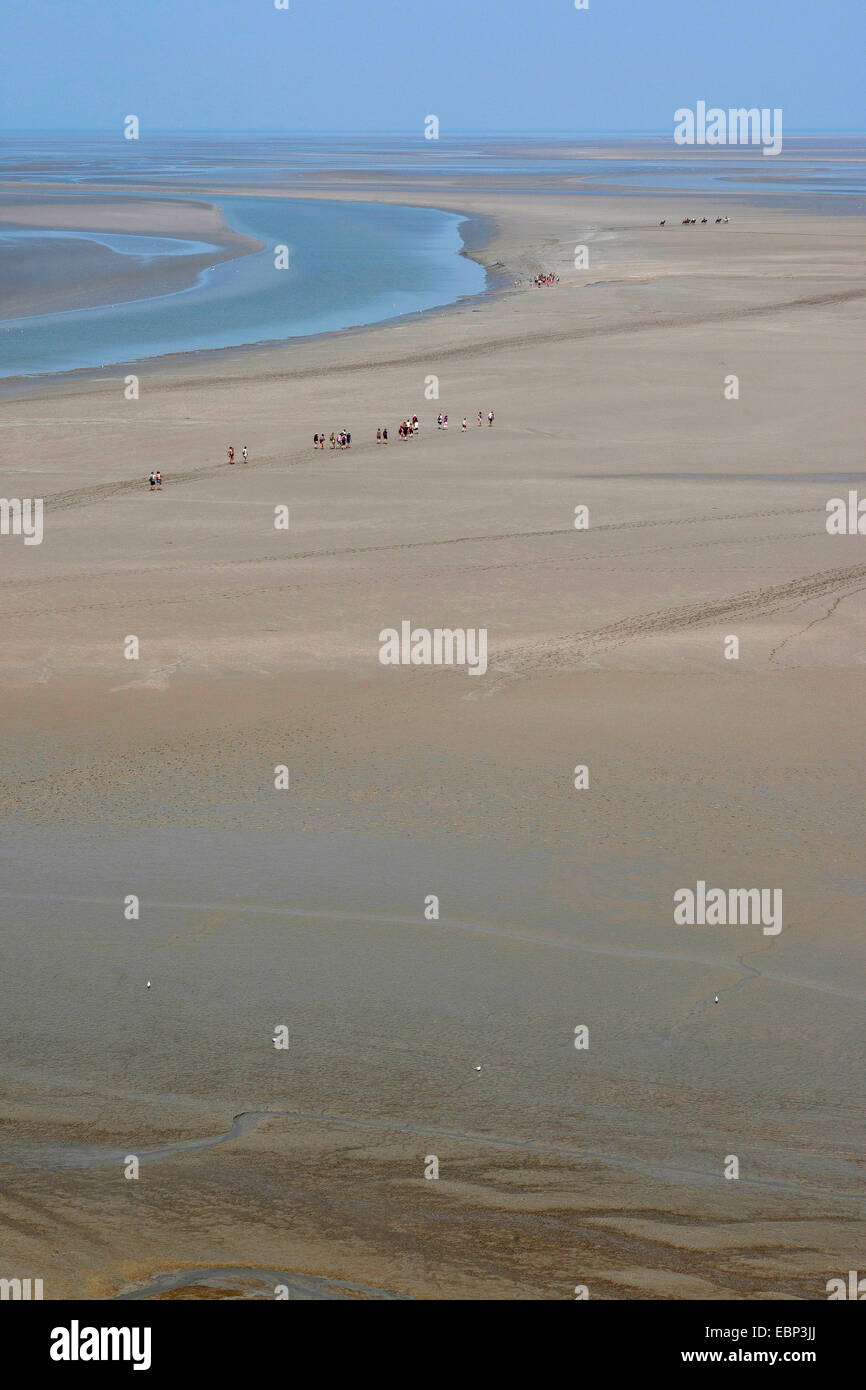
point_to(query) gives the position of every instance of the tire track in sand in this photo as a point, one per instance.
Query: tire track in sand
(567, 652)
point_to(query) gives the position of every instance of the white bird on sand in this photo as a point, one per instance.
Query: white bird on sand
(477, 1068)
(148, 984)
(716, 1000)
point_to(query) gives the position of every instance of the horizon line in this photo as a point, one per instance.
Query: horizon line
(657, 132)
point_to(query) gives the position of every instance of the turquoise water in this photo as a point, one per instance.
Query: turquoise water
(348, 264)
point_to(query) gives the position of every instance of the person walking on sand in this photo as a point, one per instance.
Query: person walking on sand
(231, 454)
(322, 440)
(245, 453)
(315, 441)
(439, 421)
(480, 418)
(158, 481)
(490, 417)
(379, 436)
(444, 422)
(333, 440)
(416, 425)
(464, 425)
(385, 435)
(152, 481)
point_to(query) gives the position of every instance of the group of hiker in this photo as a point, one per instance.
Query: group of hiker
(340, 439)
(543, 278)
(410, 429)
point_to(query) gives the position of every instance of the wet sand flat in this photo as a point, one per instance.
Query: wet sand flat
(53, 275)
(603, 1166)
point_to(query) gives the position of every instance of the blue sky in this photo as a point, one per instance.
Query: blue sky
(383, 65)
